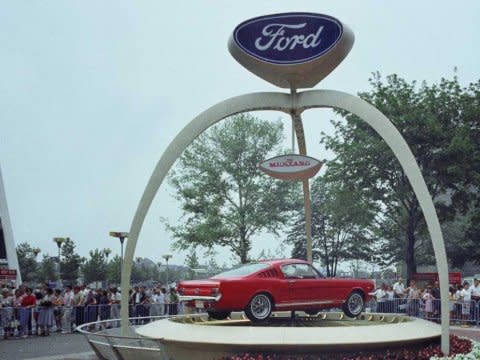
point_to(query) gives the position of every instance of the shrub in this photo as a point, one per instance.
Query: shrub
(457, 346)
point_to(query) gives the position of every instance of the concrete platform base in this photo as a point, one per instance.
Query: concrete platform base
(197, 337)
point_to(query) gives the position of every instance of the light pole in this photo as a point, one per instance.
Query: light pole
(107, 252)
(59, 241)
(36, 251)
(167, 257)
(122, 236)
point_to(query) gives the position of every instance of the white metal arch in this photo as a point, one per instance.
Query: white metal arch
(286, 103)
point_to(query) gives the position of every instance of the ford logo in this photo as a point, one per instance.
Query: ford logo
(289, 38)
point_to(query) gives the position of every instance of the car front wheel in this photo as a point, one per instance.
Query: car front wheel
(354, 304)
(259, 308)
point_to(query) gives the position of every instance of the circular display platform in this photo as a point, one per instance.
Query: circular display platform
(196, 336)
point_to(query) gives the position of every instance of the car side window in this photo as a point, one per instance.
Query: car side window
(289, 271)
(299, 271)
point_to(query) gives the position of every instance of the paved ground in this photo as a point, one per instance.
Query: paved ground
(471, 333)
(53, 347)
(75, 347)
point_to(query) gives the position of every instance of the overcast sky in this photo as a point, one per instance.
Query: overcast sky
(92, 92)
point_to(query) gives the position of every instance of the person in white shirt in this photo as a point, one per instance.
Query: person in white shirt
(413, 299)
(475, 290)
(399, 288)
(115, 299)
(158, 300)
(466, 296)
(67, 310)
(390, 296)
(381, 297)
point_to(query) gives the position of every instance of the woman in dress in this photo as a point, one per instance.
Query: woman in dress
(428, 298)
(6, 313)
(58, 309)
(466, 297)
(46, 318)
(90, 307)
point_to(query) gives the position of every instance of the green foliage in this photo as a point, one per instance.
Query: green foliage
(47, 269)
(95, 268)
(191, 260)
(27, 261)
(225, 198)
(141, 273)
(70, 262)
(441, 125)
(341, 225)
(113, 270)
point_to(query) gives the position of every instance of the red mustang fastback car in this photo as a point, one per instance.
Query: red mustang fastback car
(274, 285)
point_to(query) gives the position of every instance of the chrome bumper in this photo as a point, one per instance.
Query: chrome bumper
(199, 298)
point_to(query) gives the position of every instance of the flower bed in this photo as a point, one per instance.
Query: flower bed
(460, 348)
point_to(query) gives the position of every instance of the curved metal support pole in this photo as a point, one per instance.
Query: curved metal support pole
(382, 125)
(232, 106)
(282, 102)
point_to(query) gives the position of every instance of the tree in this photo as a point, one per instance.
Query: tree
(70, 262)
(191, 260)
(341, 219)
(113, 270)
(225, 198)
(95, 268)
(441, 125)
(27, 261)
(47, 269)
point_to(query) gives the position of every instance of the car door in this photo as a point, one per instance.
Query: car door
(303, 285)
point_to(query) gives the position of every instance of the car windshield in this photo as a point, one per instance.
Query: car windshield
(243, 270)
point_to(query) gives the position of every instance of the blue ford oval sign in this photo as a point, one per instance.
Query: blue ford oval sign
(290, 38)
(291, 50)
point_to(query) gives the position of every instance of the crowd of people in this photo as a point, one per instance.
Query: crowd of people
(464, 301)
(25, 311)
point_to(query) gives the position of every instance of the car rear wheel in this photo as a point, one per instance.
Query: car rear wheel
(219, 315)
(354, 304)
(259, 308)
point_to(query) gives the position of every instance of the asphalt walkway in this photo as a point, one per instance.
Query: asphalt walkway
(54, 347)
(75, 347)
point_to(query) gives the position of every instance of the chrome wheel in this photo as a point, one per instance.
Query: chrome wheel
(259, 308)
(354, 304)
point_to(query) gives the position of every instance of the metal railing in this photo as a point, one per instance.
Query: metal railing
(41, 320)
(461, 312)
(18, 321)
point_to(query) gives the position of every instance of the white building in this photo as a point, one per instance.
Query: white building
(8, 254)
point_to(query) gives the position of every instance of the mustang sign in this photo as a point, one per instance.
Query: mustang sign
(291, 167)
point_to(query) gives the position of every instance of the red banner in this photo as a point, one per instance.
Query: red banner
(8, 274)
(453, 277)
